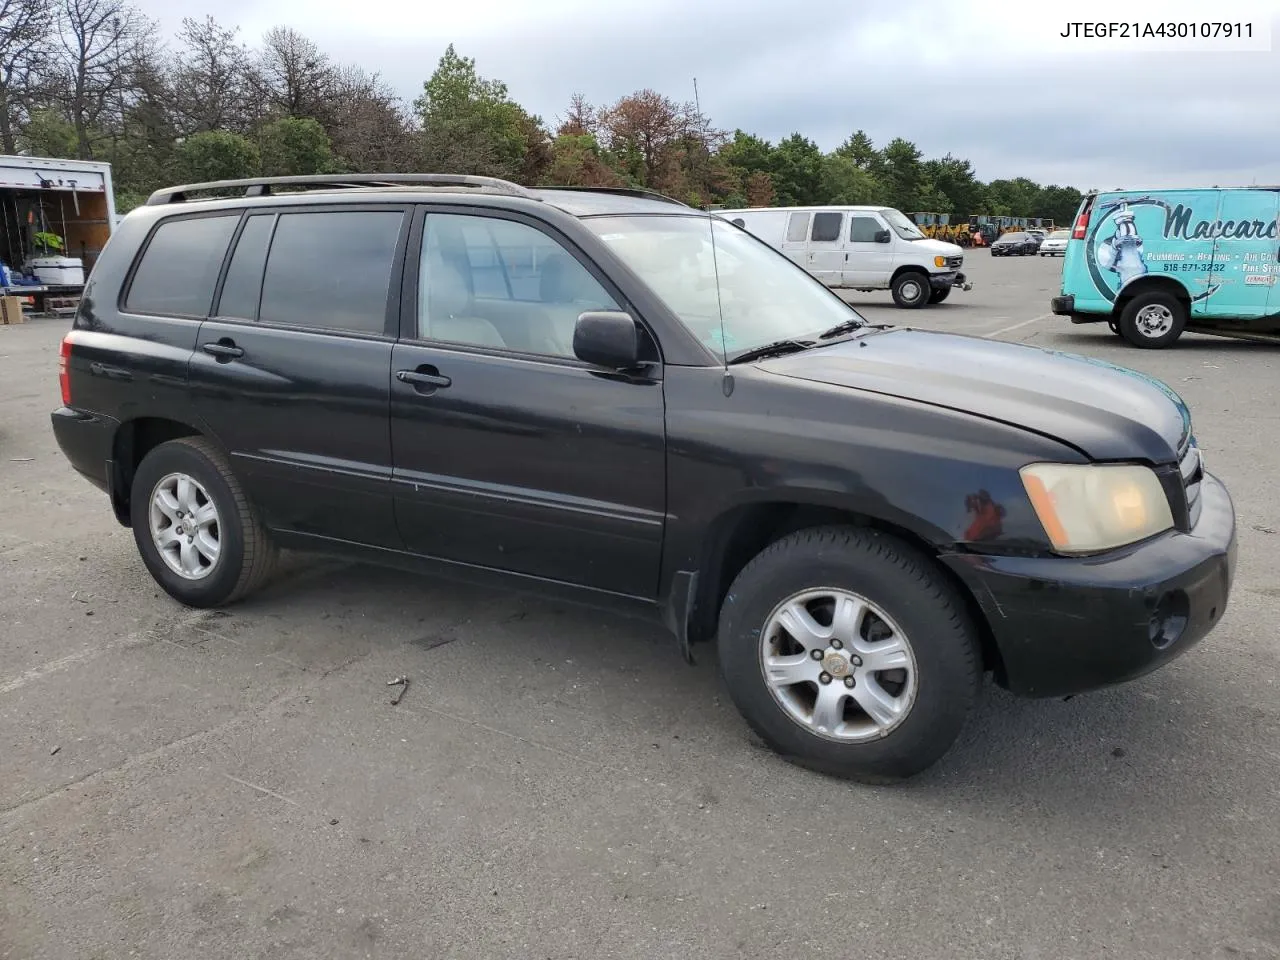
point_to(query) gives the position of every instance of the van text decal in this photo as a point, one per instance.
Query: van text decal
(1177, 224)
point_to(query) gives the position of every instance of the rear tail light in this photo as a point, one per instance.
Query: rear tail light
(1082, 221)
(64, 371)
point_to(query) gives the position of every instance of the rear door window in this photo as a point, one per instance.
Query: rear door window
(826, 227)
(797, 227)
(179, 267)
(331, 269)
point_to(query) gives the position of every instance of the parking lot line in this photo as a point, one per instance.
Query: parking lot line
(1024, 323)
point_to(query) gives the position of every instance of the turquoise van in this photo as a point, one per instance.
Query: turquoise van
(1153, 263)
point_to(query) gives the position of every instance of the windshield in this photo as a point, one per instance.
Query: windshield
(763, 296)
(1014, 237)
(1060, 235)
(902, 224)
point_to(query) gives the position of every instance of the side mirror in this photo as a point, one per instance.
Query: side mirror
(607, 338)
(882, 236)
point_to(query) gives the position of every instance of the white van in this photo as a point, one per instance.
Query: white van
(860, 248)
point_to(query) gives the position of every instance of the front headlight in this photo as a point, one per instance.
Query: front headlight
(1085, 508)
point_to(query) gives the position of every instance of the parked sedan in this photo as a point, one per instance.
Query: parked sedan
(1056, 244)
(1015, 245)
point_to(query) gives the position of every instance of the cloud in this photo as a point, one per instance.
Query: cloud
(985, 79)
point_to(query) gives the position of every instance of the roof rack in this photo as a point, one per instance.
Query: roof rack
(622, 191)
(263, 186)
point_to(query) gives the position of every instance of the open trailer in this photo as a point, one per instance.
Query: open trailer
(55, 219)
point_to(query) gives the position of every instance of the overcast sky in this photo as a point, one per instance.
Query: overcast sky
(989, 80)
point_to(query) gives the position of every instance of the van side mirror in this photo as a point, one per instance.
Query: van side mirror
(607, 338)
(882, 236)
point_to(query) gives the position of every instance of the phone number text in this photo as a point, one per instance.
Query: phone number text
(1190, 267)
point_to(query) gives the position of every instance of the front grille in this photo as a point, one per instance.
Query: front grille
(1191, 469)
(955, 262)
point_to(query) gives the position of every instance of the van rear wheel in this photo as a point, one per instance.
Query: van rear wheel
(911, 290)
(1153, 320)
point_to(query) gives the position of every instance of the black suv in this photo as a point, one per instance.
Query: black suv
(614, 395)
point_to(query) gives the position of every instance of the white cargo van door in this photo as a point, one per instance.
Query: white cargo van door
(869, 259)
(795, 244)
(826, 247)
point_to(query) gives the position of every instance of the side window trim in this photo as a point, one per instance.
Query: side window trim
(799, 216)
(126, 288)
(408, 326)
(391, 316)
(214, 314)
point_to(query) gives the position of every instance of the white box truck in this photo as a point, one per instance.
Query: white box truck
(55, 218)
(860, 248)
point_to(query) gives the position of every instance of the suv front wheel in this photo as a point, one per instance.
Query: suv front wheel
(196, 531)
(848, 653)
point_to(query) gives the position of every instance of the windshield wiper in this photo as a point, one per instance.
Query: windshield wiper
(777, 348)
(847, 327)
(851, 325)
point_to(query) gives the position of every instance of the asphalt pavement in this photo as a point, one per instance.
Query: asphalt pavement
(556, 783)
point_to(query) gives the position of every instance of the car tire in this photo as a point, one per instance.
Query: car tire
(1153, 320)
(911, 290)
(896, 582)
(227, 554)
(938, 294)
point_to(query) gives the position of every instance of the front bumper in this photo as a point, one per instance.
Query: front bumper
(1069, 625)
(952, 278)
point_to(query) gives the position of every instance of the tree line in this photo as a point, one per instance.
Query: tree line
(93, 80)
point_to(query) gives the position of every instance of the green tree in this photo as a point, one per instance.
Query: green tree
(843, 181)
(216, 155)
(796, 170)
(295, 146)
(470, 124)
(747, 153)
(954, 179)
(1058, 203)
(859, 148)
(900, 170)
(49, 133)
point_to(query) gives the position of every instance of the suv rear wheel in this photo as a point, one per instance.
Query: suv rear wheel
(849, 653)
(196, 531)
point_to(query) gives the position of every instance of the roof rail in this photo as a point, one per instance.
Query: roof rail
(622, 191)
(263, 186)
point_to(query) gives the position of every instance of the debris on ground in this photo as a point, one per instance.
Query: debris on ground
(54, 750)
(403, 684)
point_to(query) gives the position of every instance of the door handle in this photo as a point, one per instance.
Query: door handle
(426, 379)
(109, 371)
(223, 349)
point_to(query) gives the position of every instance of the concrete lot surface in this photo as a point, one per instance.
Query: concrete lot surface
(556, 783)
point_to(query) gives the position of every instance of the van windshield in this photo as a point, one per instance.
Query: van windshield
(902, 224)
(761, 295)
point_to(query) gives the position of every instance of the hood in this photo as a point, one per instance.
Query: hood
(937, 248)
(1105, 411)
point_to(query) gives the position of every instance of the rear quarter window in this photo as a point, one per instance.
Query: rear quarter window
(179, 266)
